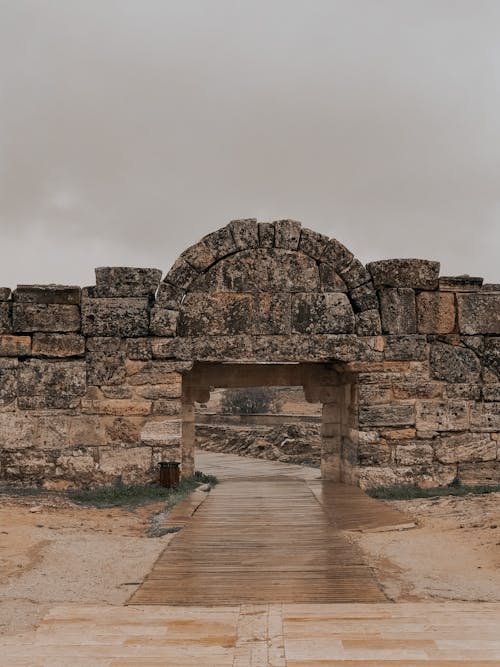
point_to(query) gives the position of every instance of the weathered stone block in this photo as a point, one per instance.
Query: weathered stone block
(245, 233)
(474, 474)
(442, 416)
(211, 315)
(181, 274)
(129, 463)
(155, 372)
(169, 296)
(15, 346)
(485, 417)
(416, 273)
(336, 254)
(113, 391)
(162, 432)
(469, 392)
(435, 312)
(364, 297)
(460, 283)
(165, 406)
(127, 318)
(50, 384)
(8, 381)
(375, 394)
(58, 345)
(330, 281)
(115, 406)
(405, 348)
(491, 392)
(139, 349)
(421, 389)
(124, 431)
(368, 323)
(266, 234)
(105, 360)
(199, 256)
(86, 431)
(272, 314)
(397, 310)
(51, 432)
(312, 244)
(4, 293)
(387, 415)
(287, 234)
(17, 431)
(27, 317)
(78, 466)
(491, 357)
(328, 312)
(60, 294)
(163, 321)
(5, 317)
(411, 453)
(479, 313)
(355, 274)
(124, 281)
(454, 364)
(466, 447)
(374, 454)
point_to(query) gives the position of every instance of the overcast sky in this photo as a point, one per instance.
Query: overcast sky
(131, 128)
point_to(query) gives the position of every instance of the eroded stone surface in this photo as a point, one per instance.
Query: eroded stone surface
(415, 273)
(120, 281)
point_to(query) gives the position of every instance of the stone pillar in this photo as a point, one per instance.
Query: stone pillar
(331, 434)
(188, 437)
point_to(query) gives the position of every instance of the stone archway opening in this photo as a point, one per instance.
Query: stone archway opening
(322, 383)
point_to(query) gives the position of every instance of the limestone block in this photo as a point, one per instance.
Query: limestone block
(368, 323)
(245, 233)
(287, 234)
(114, 391)
(139, 349)
(199, 256)
(125, 281)
(169, 296)
(15, 346)
(374, 454)
(221, 313)
(124, 431)
(51, 431)
(50, 384)
(155, 372)
(399, 434)
(78, 467)
(181, 274)
(355, 274)
(272, 314)
(405, 348)
(163, 321)
(452, 363)
(449, 415)
(220, 243)
(465, 447)
(337, 255)
(4, 293)
(58, 345)
(112, 406)
(430, 474)
(375, 394)
(86, 431)
(435, 312)
(105, 360)
(491, 357)
(17, 431)
(312, 244)
(460, 283)
(421, 389)
(370, 477)
(364, 297)
(162, 432)
(330, 281)
(475, 474)
(27, 317)
(60, 294)
(167, 407)
(491, 392)
(5, 317)
(266, 234)
(416, 452)
(479, 313)
(8, 381)
(485, 417)
(171, 348)
(470, 392)
(397, 310)
(387, 415)
(416, 273)
(130, 463)
(328, 312)
(127, 318)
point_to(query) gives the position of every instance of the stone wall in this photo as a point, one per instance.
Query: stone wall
(94, 382)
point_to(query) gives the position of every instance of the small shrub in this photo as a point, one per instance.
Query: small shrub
(410, 492)
(255, 400)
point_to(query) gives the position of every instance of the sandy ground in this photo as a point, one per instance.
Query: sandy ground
(453, 554)
(52, 551)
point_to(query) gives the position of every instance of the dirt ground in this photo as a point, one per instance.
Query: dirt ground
(52, 551)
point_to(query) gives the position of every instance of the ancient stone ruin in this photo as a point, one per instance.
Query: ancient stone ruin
(100, 382)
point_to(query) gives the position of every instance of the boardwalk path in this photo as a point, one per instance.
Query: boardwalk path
(262, 537)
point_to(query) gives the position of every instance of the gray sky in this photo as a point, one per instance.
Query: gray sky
(130, 128)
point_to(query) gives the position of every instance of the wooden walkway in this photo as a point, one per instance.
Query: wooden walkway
(265, 540)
